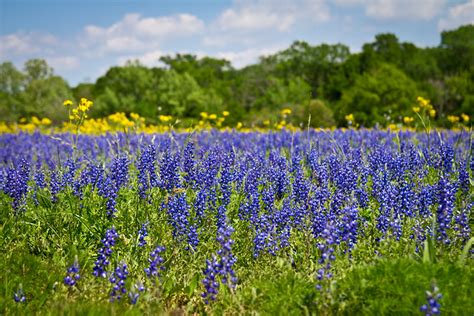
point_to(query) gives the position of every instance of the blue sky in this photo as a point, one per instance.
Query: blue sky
(81, 39)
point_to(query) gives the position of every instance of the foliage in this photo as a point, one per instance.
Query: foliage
(185, 85)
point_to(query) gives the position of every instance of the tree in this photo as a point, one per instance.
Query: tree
(11, 84)
(457, 49)
(133, 86)
(321, 115)
(180, 95)
(37, 69)
(379, 96)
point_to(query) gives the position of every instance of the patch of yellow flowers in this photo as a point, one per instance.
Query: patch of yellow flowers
(120, 122)
(78, 113)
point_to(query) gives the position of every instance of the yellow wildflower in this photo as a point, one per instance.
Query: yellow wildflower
(212, 117)
(465, 117)
(45, 121)
(349, 117)
(266, 122)
(134, 116)
(35, 120)
(416, 109)
(67, 102)
(165, 118)
(285, 112)
(392, 127)
(453, 118)
(225, 113)
(423, 102)
(432, 113)
(239, 125)
(407, 120)
(204, 115)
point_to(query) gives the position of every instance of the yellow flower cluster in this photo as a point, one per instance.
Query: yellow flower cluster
(408, 119)
(425, 106)
(78, 113)
(350, 118)
(209, 120)
(456, 119)
(120, 119)
(285, 112)
(165, 118)
(453, 118)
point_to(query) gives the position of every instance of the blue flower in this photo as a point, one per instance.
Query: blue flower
(72, 274)
(104, 253)
(19, 295)
(156, 261)
(433, 307)
(117, 279)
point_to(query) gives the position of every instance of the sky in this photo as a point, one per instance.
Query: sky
(81, 39)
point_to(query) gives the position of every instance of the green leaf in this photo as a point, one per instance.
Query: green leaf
(465, 251)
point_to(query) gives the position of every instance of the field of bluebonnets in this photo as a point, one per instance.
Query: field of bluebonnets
(228, 222)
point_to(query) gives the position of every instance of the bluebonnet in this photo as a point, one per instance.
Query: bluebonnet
(142, 233)
(327, 250)
(117, 279)
(169, 171)
(210, 282)
(220, 267)
(68, 175)
(104, 253)
(200, 204)
(461, 220)
(134, 293)
(147, 177)
(92, 175)
(189, 164)
(72, 274)
(40, 183)
(445, 197)
(178, 214)
(19, 295)
(156, 261)
(54, 184)
(433, 307)
(115, 180)
(16, 184)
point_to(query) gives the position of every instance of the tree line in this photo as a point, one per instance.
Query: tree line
(378, 85)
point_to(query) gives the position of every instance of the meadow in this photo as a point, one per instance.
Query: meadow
(283, 222)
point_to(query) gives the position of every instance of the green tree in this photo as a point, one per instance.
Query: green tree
(457, 49)
(11, 85)
(181, 96)
(134, 88)
(379, 96)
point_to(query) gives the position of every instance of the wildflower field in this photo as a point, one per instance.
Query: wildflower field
(225, 222)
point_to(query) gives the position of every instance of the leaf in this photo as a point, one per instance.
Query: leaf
(193, 284)
(465, 251)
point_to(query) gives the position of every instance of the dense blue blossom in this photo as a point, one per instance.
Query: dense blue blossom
(155, 263)
(105, 252)
(117, 279)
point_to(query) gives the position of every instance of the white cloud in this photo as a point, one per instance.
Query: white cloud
(398, 9)
(149, 59)
(137, 33)
(22, 43)
(64, 63)
(271, 14)
(246, 57)
(458, 15)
